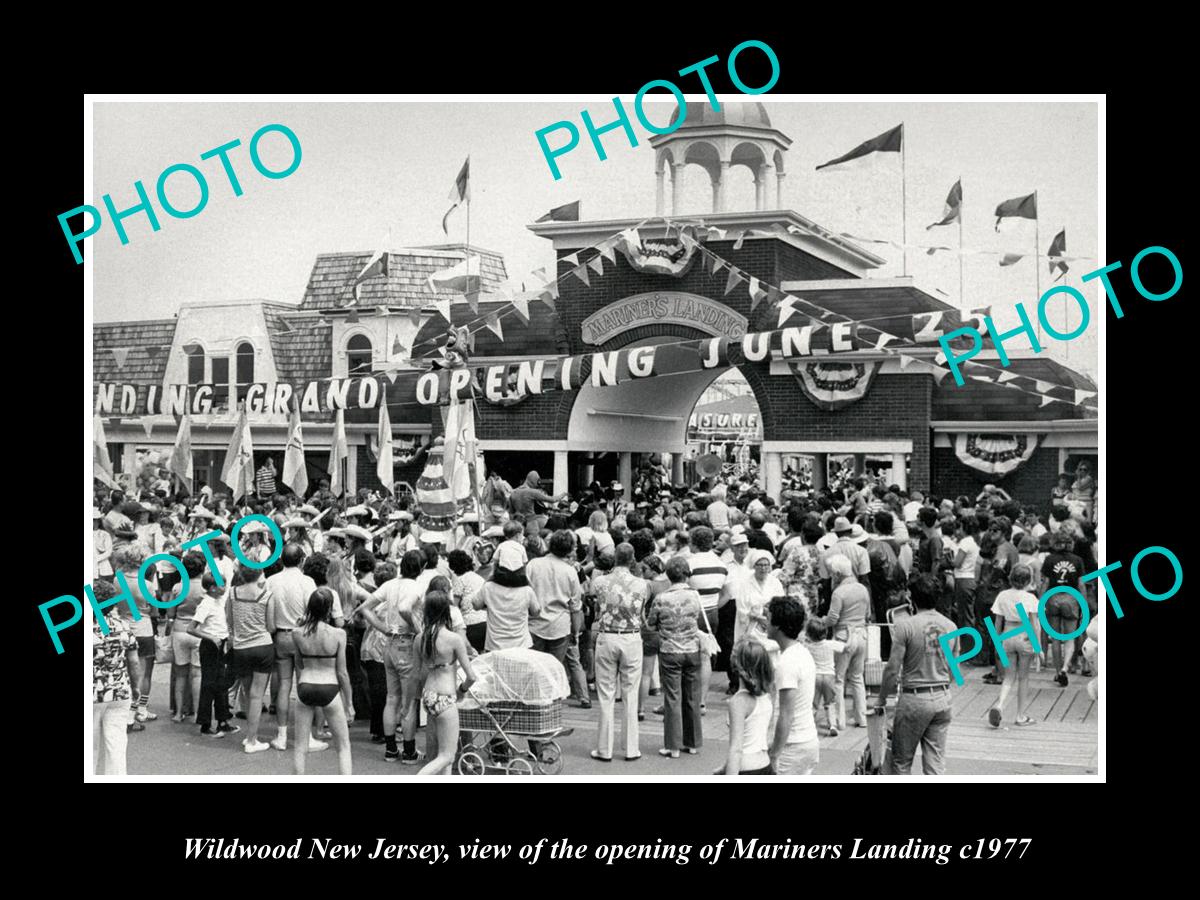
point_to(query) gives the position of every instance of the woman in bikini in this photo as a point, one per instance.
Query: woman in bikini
(441, 651)
(323, 681)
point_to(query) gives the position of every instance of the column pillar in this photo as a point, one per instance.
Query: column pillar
(587, 473)
(772, 465)
(659, 193)
(721, 182)
(759, 191)
(899, 473)
(860, 463)
(677, 468)
(676, 188)
(779, 190)
(561, 475)
(625, 474)
(352, 471)
(768, 172)
(820, 473)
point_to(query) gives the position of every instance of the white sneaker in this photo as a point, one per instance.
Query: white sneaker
(315, 746)
(256, 746)
(279, 743)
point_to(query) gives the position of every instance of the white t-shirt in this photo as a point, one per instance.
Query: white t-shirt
(911, 508)
(797, 672)
(969, 547)
(210, 619)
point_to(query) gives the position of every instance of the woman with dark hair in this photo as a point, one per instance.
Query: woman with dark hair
(371, 656)
(465, 585)
(441, 651)
(323, 682)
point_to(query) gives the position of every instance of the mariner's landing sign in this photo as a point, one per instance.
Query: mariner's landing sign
(675, 307)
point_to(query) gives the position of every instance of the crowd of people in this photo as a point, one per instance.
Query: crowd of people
(358, 619)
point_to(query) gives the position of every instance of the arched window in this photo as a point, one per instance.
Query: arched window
(245, 368)
(358, 355)
(195, 364)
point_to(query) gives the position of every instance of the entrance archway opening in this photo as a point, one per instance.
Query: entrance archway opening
(639, 432)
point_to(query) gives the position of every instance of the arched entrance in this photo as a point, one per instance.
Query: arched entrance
(611, 431)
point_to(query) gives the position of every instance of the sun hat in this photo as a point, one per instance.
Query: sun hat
(739, 537)
(857, 534)
(357, 531)
(841, 524)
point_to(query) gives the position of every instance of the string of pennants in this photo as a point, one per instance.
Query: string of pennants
(922, 327)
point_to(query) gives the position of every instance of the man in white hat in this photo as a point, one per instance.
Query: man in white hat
(849, 543)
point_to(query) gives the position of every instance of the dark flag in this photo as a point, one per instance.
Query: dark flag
(888, 142)
(568, 212)
(1018, 207)
(953, 210)
(1058, 247)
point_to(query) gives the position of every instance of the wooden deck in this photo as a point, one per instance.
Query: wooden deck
(1065, 737)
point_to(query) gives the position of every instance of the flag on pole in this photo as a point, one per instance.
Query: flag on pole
(460, 193)
(383, 468)
(888, 142)
(1018, 207)
(464, 277)
(180, 462)
(375, 267)
(295, 472)
(1011, 259)
(238, 470)
(568, 212)
(1058, 247)
(953, 209)
(338, 452)
(102, 467)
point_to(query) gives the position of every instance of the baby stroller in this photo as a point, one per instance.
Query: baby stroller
(519, 693)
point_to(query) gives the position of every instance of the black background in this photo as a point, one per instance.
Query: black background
(1078, 829)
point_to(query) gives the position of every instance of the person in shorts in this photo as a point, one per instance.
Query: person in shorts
(1020, 648)
(822, 647)
(253, 652)
(796, 748)
(1063, 567)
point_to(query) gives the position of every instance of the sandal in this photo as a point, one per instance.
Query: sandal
(674, 754)
(598, 756)
(994, 717)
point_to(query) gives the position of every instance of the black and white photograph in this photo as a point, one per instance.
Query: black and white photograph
(738, 435)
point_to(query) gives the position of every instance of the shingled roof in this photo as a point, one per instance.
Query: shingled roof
(302, 343)
(148, 344)
(407, 281)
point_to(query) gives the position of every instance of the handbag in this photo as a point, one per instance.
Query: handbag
(164, 649)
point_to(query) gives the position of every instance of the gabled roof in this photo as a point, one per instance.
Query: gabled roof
(149, 345)
(330, 284)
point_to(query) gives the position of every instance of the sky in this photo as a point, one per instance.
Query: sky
(370, 170)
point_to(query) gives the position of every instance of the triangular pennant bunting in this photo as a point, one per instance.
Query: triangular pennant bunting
(147, 425)
(443, 307)
(607, 251)
(905, 361)
(493, 324)
(571, 259)
(120, 354)
(596, 264)
(1083, 396)
(734, 278)
(580, 272)
(717, 263)
(521, 305)
(786, 311)
(1005, 377)
(414, 315)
